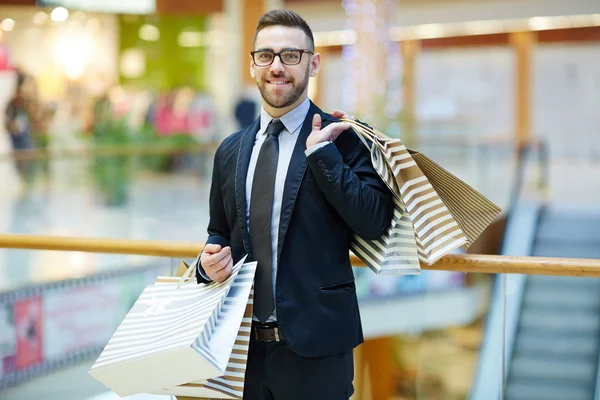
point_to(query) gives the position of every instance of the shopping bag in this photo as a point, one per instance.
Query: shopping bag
(435, 213)
(472, 211)
(231, 384)
(169, 337)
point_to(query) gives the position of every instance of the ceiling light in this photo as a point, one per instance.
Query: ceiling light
(59, 14)
(40, 18)
(7, 24)
(149, 33)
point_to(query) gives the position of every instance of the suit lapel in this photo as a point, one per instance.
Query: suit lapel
(241, 172)
(296, 171)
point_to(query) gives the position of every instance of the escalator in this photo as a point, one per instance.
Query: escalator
(557, 337)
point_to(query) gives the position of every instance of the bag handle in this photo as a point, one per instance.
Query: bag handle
(188, 272)
(364, 131)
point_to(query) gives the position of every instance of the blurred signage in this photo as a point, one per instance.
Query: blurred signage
(81, 317)
(8, 340)
(107, 6)
(28, 324)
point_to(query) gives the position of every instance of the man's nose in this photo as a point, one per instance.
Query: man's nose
(277, 65)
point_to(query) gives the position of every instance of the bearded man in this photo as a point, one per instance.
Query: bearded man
(290, 190)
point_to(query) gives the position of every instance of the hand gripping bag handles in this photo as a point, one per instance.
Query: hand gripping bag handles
(179, 332)
(435, 213)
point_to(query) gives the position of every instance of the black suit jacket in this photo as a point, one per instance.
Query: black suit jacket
(327, 196)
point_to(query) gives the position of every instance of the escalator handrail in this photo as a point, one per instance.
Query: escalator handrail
(484, 381)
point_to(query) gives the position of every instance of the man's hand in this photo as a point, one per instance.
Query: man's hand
(330, 132)
(217, 262)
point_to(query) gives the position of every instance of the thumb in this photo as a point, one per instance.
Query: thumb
(316, 123)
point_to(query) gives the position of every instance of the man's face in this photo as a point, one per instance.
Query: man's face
(283, 86)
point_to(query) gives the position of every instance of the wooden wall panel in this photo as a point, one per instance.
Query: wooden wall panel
(584, 34)
(17, 2)
(496, 39)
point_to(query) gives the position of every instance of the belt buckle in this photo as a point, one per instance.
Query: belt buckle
(267, 335)
(276, 334)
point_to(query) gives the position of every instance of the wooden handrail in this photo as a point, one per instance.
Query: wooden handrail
(109, 150)
(454, 262)
(210, 147)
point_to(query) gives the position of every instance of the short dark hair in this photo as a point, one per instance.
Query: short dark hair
(285, 18)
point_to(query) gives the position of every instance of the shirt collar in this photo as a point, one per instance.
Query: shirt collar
(291, 121)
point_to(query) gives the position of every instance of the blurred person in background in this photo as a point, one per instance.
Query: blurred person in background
(290, 190)
(18, 125)
(246, 109)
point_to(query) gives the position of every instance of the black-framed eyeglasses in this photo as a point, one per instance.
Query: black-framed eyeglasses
(264, 58)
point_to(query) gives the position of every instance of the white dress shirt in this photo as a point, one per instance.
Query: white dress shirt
(292, 122)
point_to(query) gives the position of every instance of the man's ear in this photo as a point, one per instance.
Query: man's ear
(315, 65)
(252, 72)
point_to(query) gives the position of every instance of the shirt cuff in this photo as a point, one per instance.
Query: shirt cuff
(200, 272)
(316, 147)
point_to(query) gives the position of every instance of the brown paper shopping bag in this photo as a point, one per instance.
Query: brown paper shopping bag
(426, 224)
(471, 210)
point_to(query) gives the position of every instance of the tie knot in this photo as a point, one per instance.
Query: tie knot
(275, 127)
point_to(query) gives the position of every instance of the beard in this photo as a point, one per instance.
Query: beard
(287, 98)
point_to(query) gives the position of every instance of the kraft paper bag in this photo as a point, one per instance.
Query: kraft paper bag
(435, 213)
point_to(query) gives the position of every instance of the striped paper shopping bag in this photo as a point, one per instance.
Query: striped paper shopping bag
(434, 211)
(179, 332)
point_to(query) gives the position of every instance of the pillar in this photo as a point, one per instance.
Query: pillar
(522, 43)
(409, 50)
(365, 90)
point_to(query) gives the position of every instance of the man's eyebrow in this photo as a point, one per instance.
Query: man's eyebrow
(284, 49)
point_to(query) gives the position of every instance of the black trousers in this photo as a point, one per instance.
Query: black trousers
(275, 372)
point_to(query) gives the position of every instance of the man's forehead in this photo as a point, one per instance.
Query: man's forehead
(280, 37)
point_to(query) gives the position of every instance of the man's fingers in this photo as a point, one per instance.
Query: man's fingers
(212, 248)
(342, 114)
(338, 113)
(213, 259)
(336, 128)
(316, 123)
(224, 272)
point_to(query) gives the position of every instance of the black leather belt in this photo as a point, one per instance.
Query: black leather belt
(268, 332)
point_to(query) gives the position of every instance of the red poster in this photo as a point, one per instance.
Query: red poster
(28, 324)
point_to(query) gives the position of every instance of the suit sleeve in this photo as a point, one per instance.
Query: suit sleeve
(218, 227)
(351, 185)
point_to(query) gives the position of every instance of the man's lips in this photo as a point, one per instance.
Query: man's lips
(277, 82)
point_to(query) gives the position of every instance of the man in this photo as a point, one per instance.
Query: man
(17, 123)
(290, 191)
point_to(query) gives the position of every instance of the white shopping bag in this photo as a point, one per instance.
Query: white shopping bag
(231, 384)
(174, 334)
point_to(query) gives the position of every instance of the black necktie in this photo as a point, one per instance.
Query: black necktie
(261, 209)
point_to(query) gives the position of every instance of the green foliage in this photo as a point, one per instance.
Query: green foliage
(112, 173)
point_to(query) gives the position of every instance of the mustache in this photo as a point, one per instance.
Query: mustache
(275, 76)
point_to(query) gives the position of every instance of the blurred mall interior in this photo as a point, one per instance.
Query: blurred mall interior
(126, 102)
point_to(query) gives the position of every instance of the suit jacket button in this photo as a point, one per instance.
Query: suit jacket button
(330, 178)
(320, 163)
